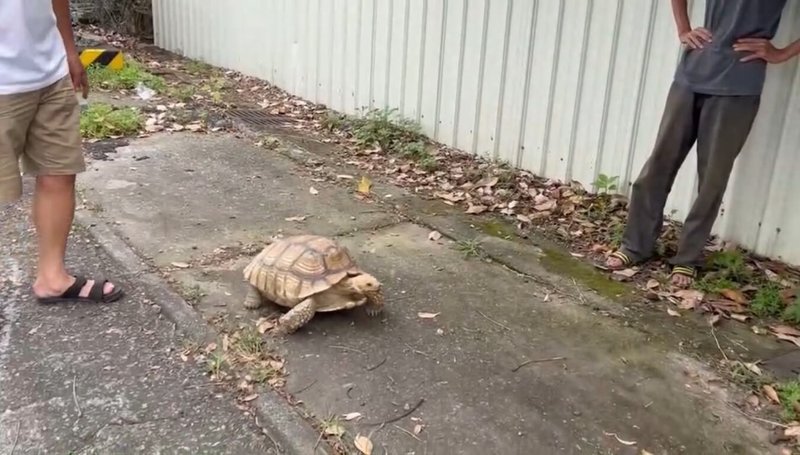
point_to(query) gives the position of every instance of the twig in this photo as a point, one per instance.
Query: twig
(345, 348)
(493, 321)
(75, 396)
(407, 432)
(401, 416)
(16, 437)
(415, 351)
(305, 388)
(758, 419)
(713, 333)
(528, 362)
(375, 367)
(580, 293)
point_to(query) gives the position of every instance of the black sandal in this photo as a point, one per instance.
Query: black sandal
(96, 295)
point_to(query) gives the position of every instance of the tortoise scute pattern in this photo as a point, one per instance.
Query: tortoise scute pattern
(292, 269)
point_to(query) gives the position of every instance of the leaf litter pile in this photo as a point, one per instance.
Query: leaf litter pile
(736, 284)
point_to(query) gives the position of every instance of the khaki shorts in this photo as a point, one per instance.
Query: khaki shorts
(40, 129)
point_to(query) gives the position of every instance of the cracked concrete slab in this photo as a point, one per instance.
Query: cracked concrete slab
(78, 378)
(591, 376)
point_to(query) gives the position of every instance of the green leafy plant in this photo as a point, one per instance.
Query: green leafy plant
(767, 301)
(126, 78)
(381, 127)
(714, 284)
(103, 120)
(792, 312)
(470, 248)
(730, 265)
(789, 393)
(606, 184)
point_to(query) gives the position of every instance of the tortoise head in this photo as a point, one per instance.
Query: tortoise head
(369, 286)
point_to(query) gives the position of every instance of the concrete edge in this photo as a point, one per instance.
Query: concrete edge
(279, 421)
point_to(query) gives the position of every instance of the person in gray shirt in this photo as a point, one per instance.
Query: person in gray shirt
(713, 101)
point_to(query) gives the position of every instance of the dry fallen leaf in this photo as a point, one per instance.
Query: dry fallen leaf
(734, 295)
(263, 325)
(476, 209)
(545, 206)
(753, 401)
(771, 394)
(363, 444)
(180, 265)
(364, 185)
(644, 452)
(424, 315)
(351, 416)
(313, 191)
(334, 429)
(627, 273)
(296, 218)
(417, 429)
(789, 338)
(792, 431)
(752, 367)
(250, 397)
(652, 284)
(434, 236)
(714, 319)
(785, 330)
(740, 317)
(673, 313)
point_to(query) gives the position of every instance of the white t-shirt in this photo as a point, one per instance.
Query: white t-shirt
(32, 54)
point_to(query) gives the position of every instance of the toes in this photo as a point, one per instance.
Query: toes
(108, 288)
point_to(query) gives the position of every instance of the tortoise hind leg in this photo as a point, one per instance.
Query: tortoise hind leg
(297, 317)
(253, 299)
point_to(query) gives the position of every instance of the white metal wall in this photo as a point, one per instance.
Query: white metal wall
(564, 88)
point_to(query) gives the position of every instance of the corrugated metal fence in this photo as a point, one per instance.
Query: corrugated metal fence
(564, 88)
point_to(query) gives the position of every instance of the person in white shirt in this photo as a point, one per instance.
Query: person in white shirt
(40, 73)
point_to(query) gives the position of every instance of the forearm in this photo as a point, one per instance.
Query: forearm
(64, 23)
(680, 12)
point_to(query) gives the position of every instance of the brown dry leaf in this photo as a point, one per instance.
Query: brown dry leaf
(363, 444)
(545, 206)
(297, 219)
(250, 398)
(194, 127)
(263, 325)
(771, 394)
(734, 295)
(785, 330)
(714, 319)
(673, 313)
(644, 452)
(577, 255)
(627, 273)
(226, 342)
(334, 429)
(313, 191)
(792, 431)
(652, 284)
(524, 218)
(180, 265)
(211, 348)
(364, 185)
(740, 317)
(450, 197)
(476, 209)
(424, 315)
(752, 367)
(434, 236)
(753, 401)
(351, 416)
(417, 429)
(620, 440)
(789, 338)
(487, 182)
(692, 295)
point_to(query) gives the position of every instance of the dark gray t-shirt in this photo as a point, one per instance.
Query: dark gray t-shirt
(716, 69)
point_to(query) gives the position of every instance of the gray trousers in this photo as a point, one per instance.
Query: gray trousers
(720, 126)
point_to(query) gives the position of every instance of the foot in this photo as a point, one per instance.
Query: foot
(618, 261)
(74, 288)
(682, 277)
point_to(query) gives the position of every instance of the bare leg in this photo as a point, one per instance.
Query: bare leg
(296, 317)
(53, 212)
(253, 298)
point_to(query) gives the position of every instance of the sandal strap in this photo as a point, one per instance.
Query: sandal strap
(684, 270)
(622, 257)
(75, 289)
(96, 293)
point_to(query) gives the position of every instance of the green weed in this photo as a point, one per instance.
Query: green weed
(381, 127)
(712, 284)
(789, 393)
(183, 93)
(249, 342)
(125, 79)
(215, 363)
(103, 120)
(469, 248)
(792, 312)
(606, 184)
(767, 302)
(730, 265)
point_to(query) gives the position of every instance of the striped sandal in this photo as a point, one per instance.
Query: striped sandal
(624, 259)
(683, 271)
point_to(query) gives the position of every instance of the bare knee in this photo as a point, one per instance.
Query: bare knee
(55, 183)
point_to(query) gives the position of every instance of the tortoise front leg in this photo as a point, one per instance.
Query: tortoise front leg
(253, 299)
(296, 317)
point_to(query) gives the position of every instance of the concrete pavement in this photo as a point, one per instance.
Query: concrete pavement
(511, 363)
(102, 379)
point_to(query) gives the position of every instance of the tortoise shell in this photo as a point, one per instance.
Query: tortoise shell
(292, 269)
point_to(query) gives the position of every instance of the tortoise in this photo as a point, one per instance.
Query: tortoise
(309, 274)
